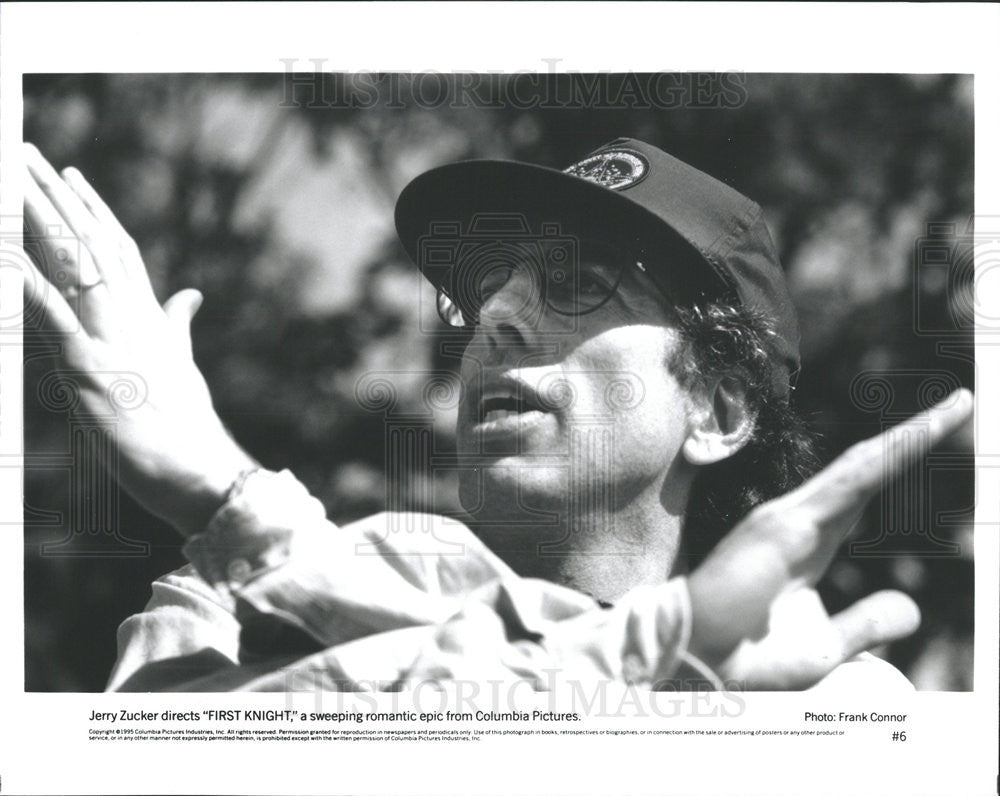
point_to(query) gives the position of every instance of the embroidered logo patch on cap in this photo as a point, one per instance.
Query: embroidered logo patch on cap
(615, 168)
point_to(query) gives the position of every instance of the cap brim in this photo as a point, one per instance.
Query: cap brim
(458, 193)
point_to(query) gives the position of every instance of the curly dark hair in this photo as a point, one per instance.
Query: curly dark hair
(719, 337)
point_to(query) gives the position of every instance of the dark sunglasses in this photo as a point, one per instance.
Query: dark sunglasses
(568, 276)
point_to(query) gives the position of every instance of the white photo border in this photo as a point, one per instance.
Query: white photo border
(953, 737)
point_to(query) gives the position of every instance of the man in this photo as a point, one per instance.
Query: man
(625, 406)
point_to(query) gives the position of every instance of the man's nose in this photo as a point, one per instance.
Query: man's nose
(517, 304)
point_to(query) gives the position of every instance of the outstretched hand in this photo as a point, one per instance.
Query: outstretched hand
(756, 616)
(173, 453)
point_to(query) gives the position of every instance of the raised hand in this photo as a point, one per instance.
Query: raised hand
(755, 614)
(173, 453)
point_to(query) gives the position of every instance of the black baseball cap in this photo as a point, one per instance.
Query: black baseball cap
(680, 222)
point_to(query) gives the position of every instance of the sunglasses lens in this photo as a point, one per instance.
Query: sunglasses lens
(568, 276)
(450, 313)
(582, 279)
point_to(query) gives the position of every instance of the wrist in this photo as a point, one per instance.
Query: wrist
(201, 495)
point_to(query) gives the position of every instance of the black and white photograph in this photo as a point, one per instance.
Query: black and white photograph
(621, 385)
(528, 386)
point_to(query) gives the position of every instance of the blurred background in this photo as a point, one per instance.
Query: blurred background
(274, 196)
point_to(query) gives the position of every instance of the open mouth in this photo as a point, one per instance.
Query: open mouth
(507, 406)
(503, 406)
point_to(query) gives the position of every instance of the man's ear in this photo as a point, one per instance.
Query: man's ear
(721, 422)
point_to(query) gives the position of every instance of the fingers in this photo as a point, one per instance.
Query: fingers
(64, 258)
(880, 618)
(71, 216)
(863, 470)
(181, 308)
(127, 255)
(936, 423)
(81, 248)
(123, 255)
(183, 305)
(62, 208)
(39, 292)
(93, 202)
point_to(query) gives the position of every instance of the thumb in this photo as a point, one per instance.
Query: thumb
(181, 307)
(877, 619)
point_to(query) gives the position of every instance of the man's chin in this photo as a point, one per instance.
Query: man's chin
(512, 487)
